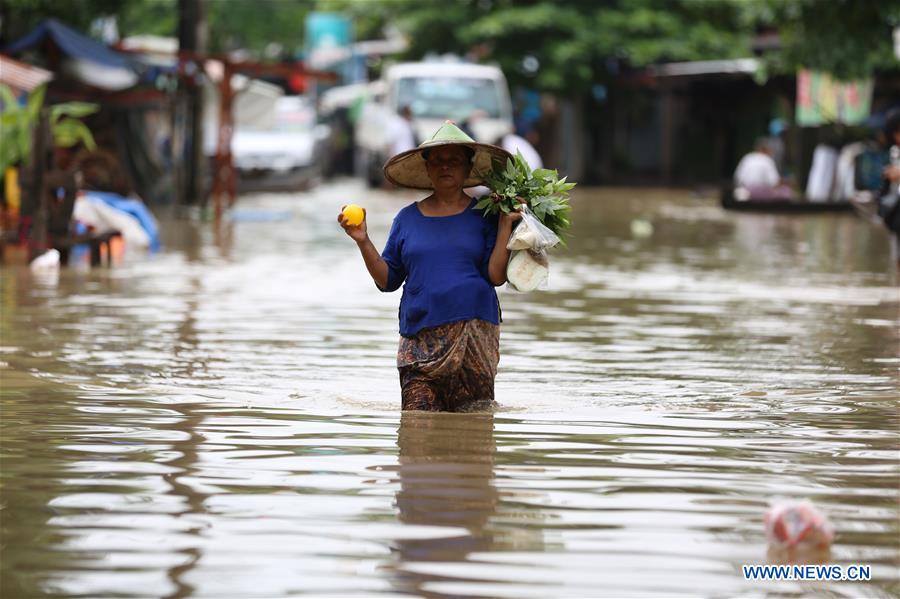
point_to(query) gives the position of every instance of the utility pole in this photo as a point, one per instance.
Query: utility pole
(190, 162)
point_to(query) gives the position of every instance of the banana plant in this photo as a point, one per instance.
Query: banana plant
(17, 123)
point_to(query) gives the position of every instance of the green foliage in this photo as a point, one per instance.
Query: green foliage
(258, 25)
(849, 39)
(253, 25)
(148, 17)
(545, 194)
(577, 43)
(67, 129)
(10, 141)
(369, 18)
(20, 16)
(18, 122)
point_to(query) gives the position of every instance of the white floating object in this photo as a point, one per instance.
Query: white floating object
(641, 228)
(46, 262)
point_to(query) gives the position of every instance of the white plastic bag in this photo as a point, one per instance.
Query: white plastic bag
(528, 267)
(531, 234)
(527, 270)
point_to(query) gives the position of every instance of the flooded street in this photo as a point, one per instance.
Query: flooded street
(222, 419)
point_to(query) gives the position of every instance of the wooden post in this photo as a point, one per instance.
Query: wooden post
(38, 185)
(224, 190)
(192, 36)
(179, 137)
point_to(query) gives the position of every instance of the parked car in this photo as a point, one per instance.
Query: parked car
(288, 149)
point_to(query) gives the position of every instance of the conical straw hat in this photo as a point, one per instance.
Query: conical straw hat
(407, 169)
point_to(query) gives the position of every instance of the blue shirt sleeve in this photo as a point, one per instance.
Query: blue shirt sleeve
(392, 256)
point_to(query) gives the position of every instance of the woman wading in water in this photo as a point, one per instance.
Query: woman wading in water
(449, 259)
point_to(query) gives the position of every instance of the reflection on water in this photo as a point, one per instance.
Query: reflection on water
(221, 420)
(446, 478)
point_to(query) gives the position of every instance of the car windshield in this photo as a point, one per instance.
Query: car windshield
(448, 97)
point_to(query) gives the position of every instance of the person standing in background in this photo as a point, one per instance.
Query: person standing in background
(401, 136)
(513, 143)
(889, 197)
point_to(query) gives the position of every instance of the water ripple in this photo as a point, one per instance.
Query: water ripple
(222, 420)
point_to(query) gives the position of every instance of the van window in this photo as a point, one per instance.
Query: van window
(448, 97)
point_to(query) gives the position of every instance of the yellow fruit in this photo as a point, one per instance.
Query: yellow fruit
(354, 214)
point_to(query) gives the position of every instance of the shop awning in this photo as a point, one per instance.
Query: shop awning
(22, 77)
(87, 60)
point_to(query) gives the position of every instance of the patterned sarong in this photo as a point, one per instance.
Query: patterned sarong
(450, 367)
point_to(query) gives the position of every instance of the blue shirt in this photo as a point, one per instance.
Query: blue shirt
(442, 262)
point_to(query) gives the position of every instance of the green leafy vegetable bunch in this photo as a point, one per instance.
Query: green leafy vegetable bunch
(545, 194)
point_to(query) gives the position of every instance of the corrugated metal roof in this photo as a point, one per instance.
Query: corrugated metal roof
(22, 77)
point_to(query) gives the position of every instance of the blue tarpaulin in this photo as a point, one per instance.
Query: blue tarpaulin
(135, 208)
(71, 43)
(99, 65)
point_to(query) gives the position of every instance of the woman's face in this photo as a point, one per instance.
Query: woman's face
(448, 167)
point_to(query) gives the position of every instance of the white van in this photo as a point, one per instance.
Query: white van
(434, 92)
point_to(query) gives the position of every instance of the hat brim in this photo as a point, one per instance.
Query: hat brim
(407, 169)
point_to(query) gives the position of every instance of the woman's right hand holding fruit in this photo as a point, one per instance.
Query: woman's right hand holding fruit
(353, 219)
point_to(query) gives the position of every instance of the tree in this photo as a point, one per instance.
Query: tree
(271, 28)
(546, 44)
(265, 28)
(148, 17)
(850, 39)
(568, 45)
(258, 26)
(584, 42)
(18, 17)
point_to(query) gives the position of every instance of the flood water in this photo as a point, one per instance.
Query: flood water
(222, 419)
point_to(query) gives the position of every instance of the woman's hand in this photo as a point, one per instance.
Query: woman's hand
(507, 220)
(357, 233)
(375, 264)
(500, 255)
